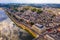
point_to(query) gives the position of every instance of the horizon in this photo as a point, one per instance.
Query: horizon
(31, 1)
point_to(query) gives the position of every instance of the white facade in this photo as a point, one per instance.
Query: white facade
(37, 29)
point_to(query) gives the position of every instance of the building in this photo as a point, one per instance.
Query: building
(48, 37)
(38, 28)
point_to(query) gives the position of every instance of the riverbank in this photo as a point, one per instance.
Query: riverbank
(1, 9)
(7, 27)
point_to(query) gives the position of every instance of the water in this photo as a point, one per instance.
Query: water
(8, 30)
(3, 16)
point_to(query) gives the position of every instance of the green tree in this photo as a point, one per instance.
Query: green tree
(21, 19)
(39, 11)
(21, 10)
(32, 23)
(26, 8)
(53, 15)
(15, 9)
(33, 9)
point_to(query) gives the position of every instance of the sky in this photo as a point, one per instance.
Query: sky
(30, 1)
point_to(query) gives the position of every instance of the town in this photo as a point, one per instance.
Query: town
(43, 23)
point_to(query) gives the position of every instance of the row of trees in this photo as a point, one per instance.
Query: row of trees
(36, 10)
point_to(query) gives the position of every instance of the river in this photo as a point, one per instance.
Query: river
(3, 16)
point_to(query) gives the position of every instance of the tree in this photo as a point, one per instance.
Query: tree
(21, 10)
(33, 9)
(53, 16)
(26, 8)
(39, 11)
(49, 11)
(15, 9)
(21, 19)
(31, 23)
